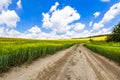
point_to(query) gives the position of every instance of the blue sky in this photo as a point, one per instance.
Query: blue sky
(55, 19)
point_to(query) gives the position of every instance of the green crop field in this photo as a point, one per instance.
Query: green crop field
(14, 52)
(110, 50)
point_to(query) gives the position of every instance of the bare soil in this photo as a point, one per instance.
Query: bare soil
(74, 63)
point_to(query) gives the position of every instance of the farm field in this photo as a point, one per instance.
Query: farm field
(16, 54)
(110, 50)
(76, 62)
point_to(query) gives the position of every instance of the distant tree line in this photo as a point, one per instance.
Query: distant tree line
(115, 35)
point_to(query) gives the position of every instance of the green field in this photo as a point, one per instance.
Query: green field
(15, 51)
(110, 50)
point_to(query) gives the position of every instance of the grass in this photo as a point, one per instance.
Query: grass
(110, 50)
(14, 52)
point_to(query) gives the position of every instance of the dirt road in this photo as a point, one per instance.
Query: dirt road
(75, 63)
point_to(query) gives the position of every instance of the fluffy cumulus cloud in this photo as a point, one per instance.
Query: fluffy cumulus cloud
(12, 33)
(5, 32)
(96, 14)
(78, 27)
(9, 18)
(4, 4)
(19, 5)
(105, 0)
(54, 7)
(62, 21)
(35, 29)
(59, 19)
(108, 16)
(36, 33)
(101, 31)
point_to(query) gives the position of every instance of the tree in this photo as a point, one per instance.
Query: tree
(115, 36)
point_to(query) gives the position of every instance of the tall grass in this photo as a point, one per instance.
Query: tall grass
(110, 50)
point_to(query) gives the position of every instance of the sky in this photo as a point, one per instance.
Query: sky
(57, 19)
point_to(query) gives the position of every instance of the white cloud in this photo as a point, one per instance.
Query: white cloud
(97, 26)
(1, 31)
(108, 16)
(4, 4)
(35, 29)
(62, 23)
(105, 0)
(96, 14)
(86, 33)
(5, 32)
(102, 31)
(53, 8)
(36, 33)
(111, 13)
(19, 5)
(59, 20)
(46, 20)
(78, 27)
(70, 33)
(9, 18)
(12, 33)
(91, 23)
